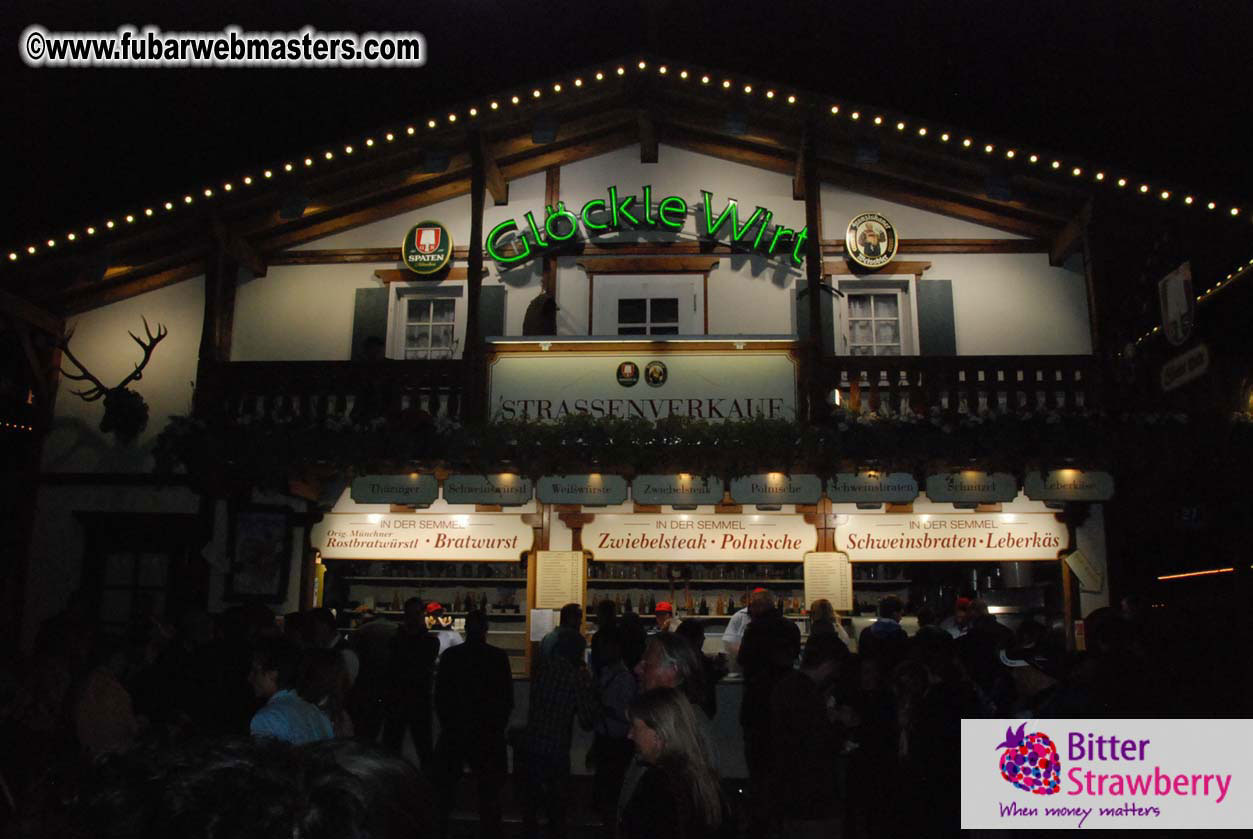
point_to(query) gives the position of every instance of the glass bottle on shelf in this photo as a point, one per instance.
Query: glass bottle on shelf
(704, 606)
(652, 605)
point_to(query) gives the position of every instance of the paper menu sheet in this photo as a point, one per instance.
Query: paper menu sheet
(558, 578)
(830, 576)
(543, 621)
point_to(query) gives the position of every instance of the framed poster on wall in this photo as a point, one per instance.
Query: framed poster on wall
(260, 553)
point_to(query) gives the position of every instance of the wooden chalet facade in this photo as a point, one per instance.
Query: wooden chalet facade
(1022, 283)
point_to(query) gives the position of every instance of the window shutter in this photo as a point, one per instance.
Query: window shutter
(937, 334)
(369, 318)
(492, 311)
(827, 307)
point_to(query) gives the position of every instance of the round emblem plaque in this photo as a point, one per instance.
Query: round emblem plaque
(427, 247)
(871, 240)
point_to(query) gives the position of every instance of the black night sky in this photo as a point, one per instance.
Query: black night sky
(1157, 88)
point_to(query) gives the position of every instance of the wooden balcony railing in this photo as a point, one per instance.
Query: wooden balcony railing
(318, 391)
(964, 383)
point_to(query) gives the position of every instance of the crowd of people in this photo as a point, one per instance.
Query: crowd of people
(836, 742)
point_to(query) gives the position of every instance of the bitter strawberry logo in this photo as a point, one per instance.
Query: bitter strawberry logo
(1030, 761)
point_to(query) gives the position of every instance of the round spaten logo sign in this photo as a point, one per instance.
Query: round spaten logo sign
(628, 374)
(870, 240)
(427, 247)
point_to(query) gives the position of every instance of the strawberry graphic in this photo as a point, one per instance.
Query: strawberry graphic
(1030, 761)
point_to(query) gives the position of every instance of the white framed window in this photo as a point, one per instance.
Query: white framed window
(877, 318)
(630, 305)
(426, 322)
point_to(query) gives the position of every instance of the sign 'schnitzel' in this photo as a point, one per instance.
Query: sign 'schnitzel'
(509, 245)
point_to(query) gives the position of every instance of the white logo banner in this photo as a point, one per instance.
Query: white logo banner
(1106, 774)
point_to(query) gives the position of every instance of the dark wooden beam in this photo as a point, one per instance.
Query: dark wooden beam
(647, 264)
(830, 247)
(220, 279)
(475, 402)
(915, 186)
(843, 269)
(816, 408)
(648, 137)
(237, 248)
(1069, 239)
(338, 256)
(133, 287)
(404, 275)
(29, 313)
(496, 183)
(804, 158)
(552, 195)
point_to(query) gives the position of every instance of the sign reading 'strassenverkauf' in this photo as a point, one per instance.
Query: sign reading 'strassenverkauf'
(593, 490)
(505, 488)
(413, 489)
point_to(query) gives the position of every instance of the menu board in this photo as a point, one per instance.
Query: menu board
(830, 576)
(558, 578)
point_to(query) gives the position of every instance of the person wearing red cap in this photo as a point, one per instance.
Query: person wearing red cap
(663, 613)
(441, 626)
(734, 634)
(957, 623)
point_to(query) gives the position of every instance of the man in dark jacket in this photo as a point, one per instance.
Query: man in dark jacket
(885, 641)
(474, 698)
(807, 743)
(412, 666)
(767, 653)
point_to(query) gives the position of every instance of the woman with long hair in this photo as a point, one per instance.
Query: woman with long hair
(678, 795)
(824, 619)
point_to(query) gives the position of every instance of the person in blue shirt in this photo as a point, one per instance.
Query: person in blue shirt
(285, 716)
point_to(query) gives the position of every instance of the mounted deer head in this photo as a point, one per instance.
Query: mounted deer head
(125, 411)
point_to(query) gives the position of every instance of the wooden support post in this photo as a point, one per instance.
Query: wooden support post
(475, 400)
(552, 194)
(496, 183)
(798, 176)
(648, 138)
(221, 273)
(1093, 273)
(817, 404)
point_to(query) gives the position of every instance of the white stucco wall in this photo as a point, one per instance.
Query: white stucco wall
(840, 206)
(454, 213)
(1015, 304)
(1004, 304)
(58, 538)
(100, 342)
(300, 312)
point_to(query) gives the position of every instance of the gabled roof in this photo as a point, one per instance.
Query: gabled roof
(988, 180)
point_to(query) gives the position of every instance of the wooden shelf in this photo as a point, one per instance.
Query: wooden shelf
(881, 582)
(624, 583)
(490, 615)
(427, 580)
(789, 615)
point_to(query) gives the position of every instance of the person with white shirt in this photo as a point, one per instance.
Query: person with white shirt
(440, 626)
(734, 633)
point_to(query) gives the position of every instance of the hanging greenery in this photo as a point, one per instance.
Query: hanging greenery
(271, 450)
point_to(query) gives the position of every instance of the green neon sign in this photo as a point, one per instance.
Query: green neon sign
(512, 242)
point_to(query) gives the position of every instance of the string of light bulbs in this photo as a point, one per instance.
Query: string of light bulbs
(590, 79)
(1243, 271)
